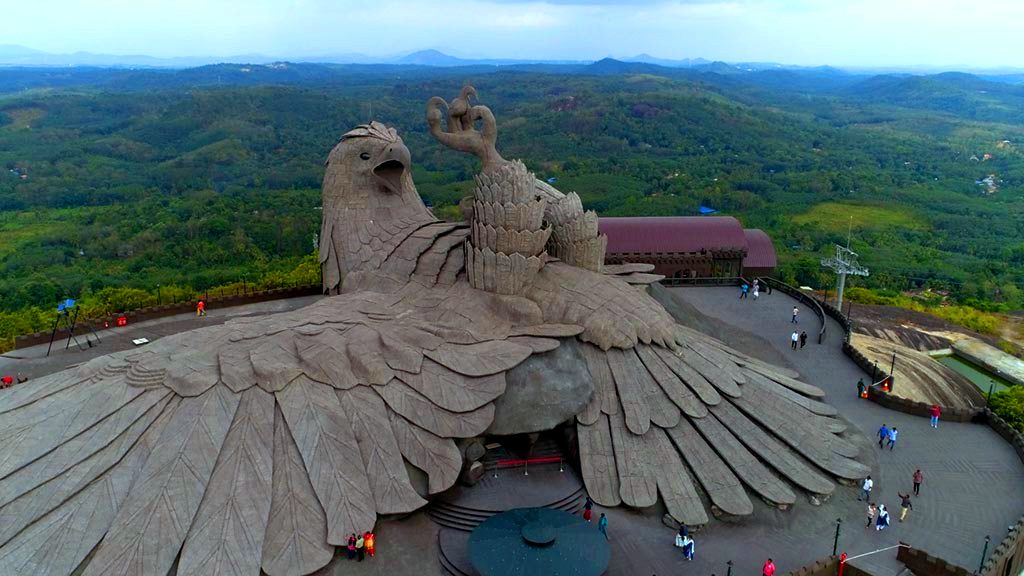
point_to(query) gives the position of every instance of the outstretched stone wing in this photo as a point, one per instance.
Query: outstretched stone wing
(256, 445)
(700, 424)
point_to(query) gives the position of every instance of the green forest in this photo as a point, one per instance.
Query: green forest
(151, 188)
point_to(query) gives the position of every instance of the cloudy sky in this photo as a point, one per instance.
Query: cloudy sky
(954, 33)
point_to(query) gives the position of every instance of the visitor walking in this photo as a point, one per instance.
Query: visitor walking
(201, 308)
(803, 338)
(872, 511)
(861, 388)
(793, 319)
(588, 509)
(883, 435)
(883, 518)
(918, 477)
(866, 489)
(768, 569)
(794, 338)
(757, 290)
(892, 438)
(936, 412)
(602, 525)
(371, 543)
(360, 548)
(743, 290)
(905, 505)
(687, 544)
(352, 546)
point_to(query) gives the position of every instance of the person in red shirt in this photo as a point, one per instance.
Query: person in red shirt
(6, 381)
(936, 412)
(768, 569)
(201, 308)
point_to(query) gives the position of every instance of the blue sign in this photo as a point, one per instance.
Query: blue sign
(65, 305)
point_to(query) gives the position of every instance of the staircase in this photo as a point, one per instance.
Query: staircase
(539, 478)
(466, 519)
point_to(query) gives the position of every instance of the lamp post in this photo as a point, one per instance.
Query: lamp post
(728, 568)
(984, 551)
(159, 299)
(991, 385)
(835, 543)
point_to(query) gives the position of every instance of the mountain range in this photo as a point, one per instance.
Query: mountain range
(20, 56)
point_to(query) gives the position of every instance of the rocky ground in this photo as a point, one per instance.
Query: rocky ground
(881, 331)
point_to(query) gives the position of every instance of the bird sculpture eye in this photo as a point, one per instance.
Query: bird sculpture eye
(365, 155)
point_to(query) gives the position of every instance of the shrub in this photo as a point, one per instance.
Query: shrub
(1009, 405)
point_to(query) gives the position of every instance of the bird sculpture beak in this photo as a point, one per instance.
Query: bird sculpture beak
(391, 166)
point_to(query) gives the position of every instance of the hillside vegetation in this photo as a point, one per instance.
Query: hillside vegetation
(134, 179)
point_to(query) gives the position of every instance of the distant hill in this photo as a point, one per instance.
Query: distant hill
(684, 63)
(956, 93)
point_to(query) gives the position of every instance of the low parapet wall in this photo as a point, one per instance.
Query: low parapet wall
(165, 310)
(914, 408)
(828, 567)
(1008, 556)
(893, 402)
(922, 563)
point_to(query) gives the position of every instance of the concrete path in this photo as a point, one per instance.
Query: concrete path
(973, 481)
(33, 361)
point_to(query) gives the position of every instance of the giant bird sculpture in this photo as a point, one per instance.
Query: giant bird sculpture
(262, 443)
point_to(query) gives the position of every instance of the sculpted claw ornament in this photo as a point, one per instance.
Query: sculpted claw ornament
(461, 133)
(259, 444)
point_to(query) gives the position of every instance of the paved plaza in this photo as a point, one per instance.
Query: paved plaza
(973, 484)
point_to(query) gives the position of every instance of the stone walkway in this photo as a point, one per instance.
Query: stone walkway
(33, 361)
(973, 481)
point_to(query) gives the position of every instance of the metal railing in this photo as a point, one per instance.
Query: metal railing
(710, 281)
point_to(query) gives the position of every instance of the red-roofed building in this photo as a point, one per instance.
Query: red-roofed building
(761, 259)
(689, 246)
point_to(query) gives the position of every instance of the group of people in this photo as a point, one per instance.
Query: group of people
(746, 289)
(877, 513)
(684, 541)
(798, 338)
(887, 436)
(360, 546)
(602, 522)
(8, 381)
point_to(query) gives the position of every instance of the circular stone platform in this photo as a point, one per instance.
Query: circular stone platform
(530, 541)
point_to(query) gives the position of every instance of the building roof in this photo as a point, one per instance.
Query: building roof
(760, 250)
(672, 234)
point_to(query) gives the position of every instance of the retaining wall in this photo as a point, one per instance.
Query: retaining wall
(922, 563)
(828, 567)
(1007, 558)
(149, 313)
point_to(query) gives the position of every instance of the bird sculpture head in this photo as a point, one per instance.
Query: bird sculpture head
(368, 195)
(370, 168)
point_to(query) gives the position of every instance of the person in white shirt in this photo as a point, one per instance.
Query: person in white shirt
(866, 487)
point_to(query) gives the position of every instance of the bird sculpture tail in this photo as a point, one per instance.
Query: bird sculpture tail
(576, 239)
(506, 249)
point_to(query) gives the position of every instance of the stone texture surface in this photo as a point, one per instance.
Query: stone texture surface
(544, 391)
